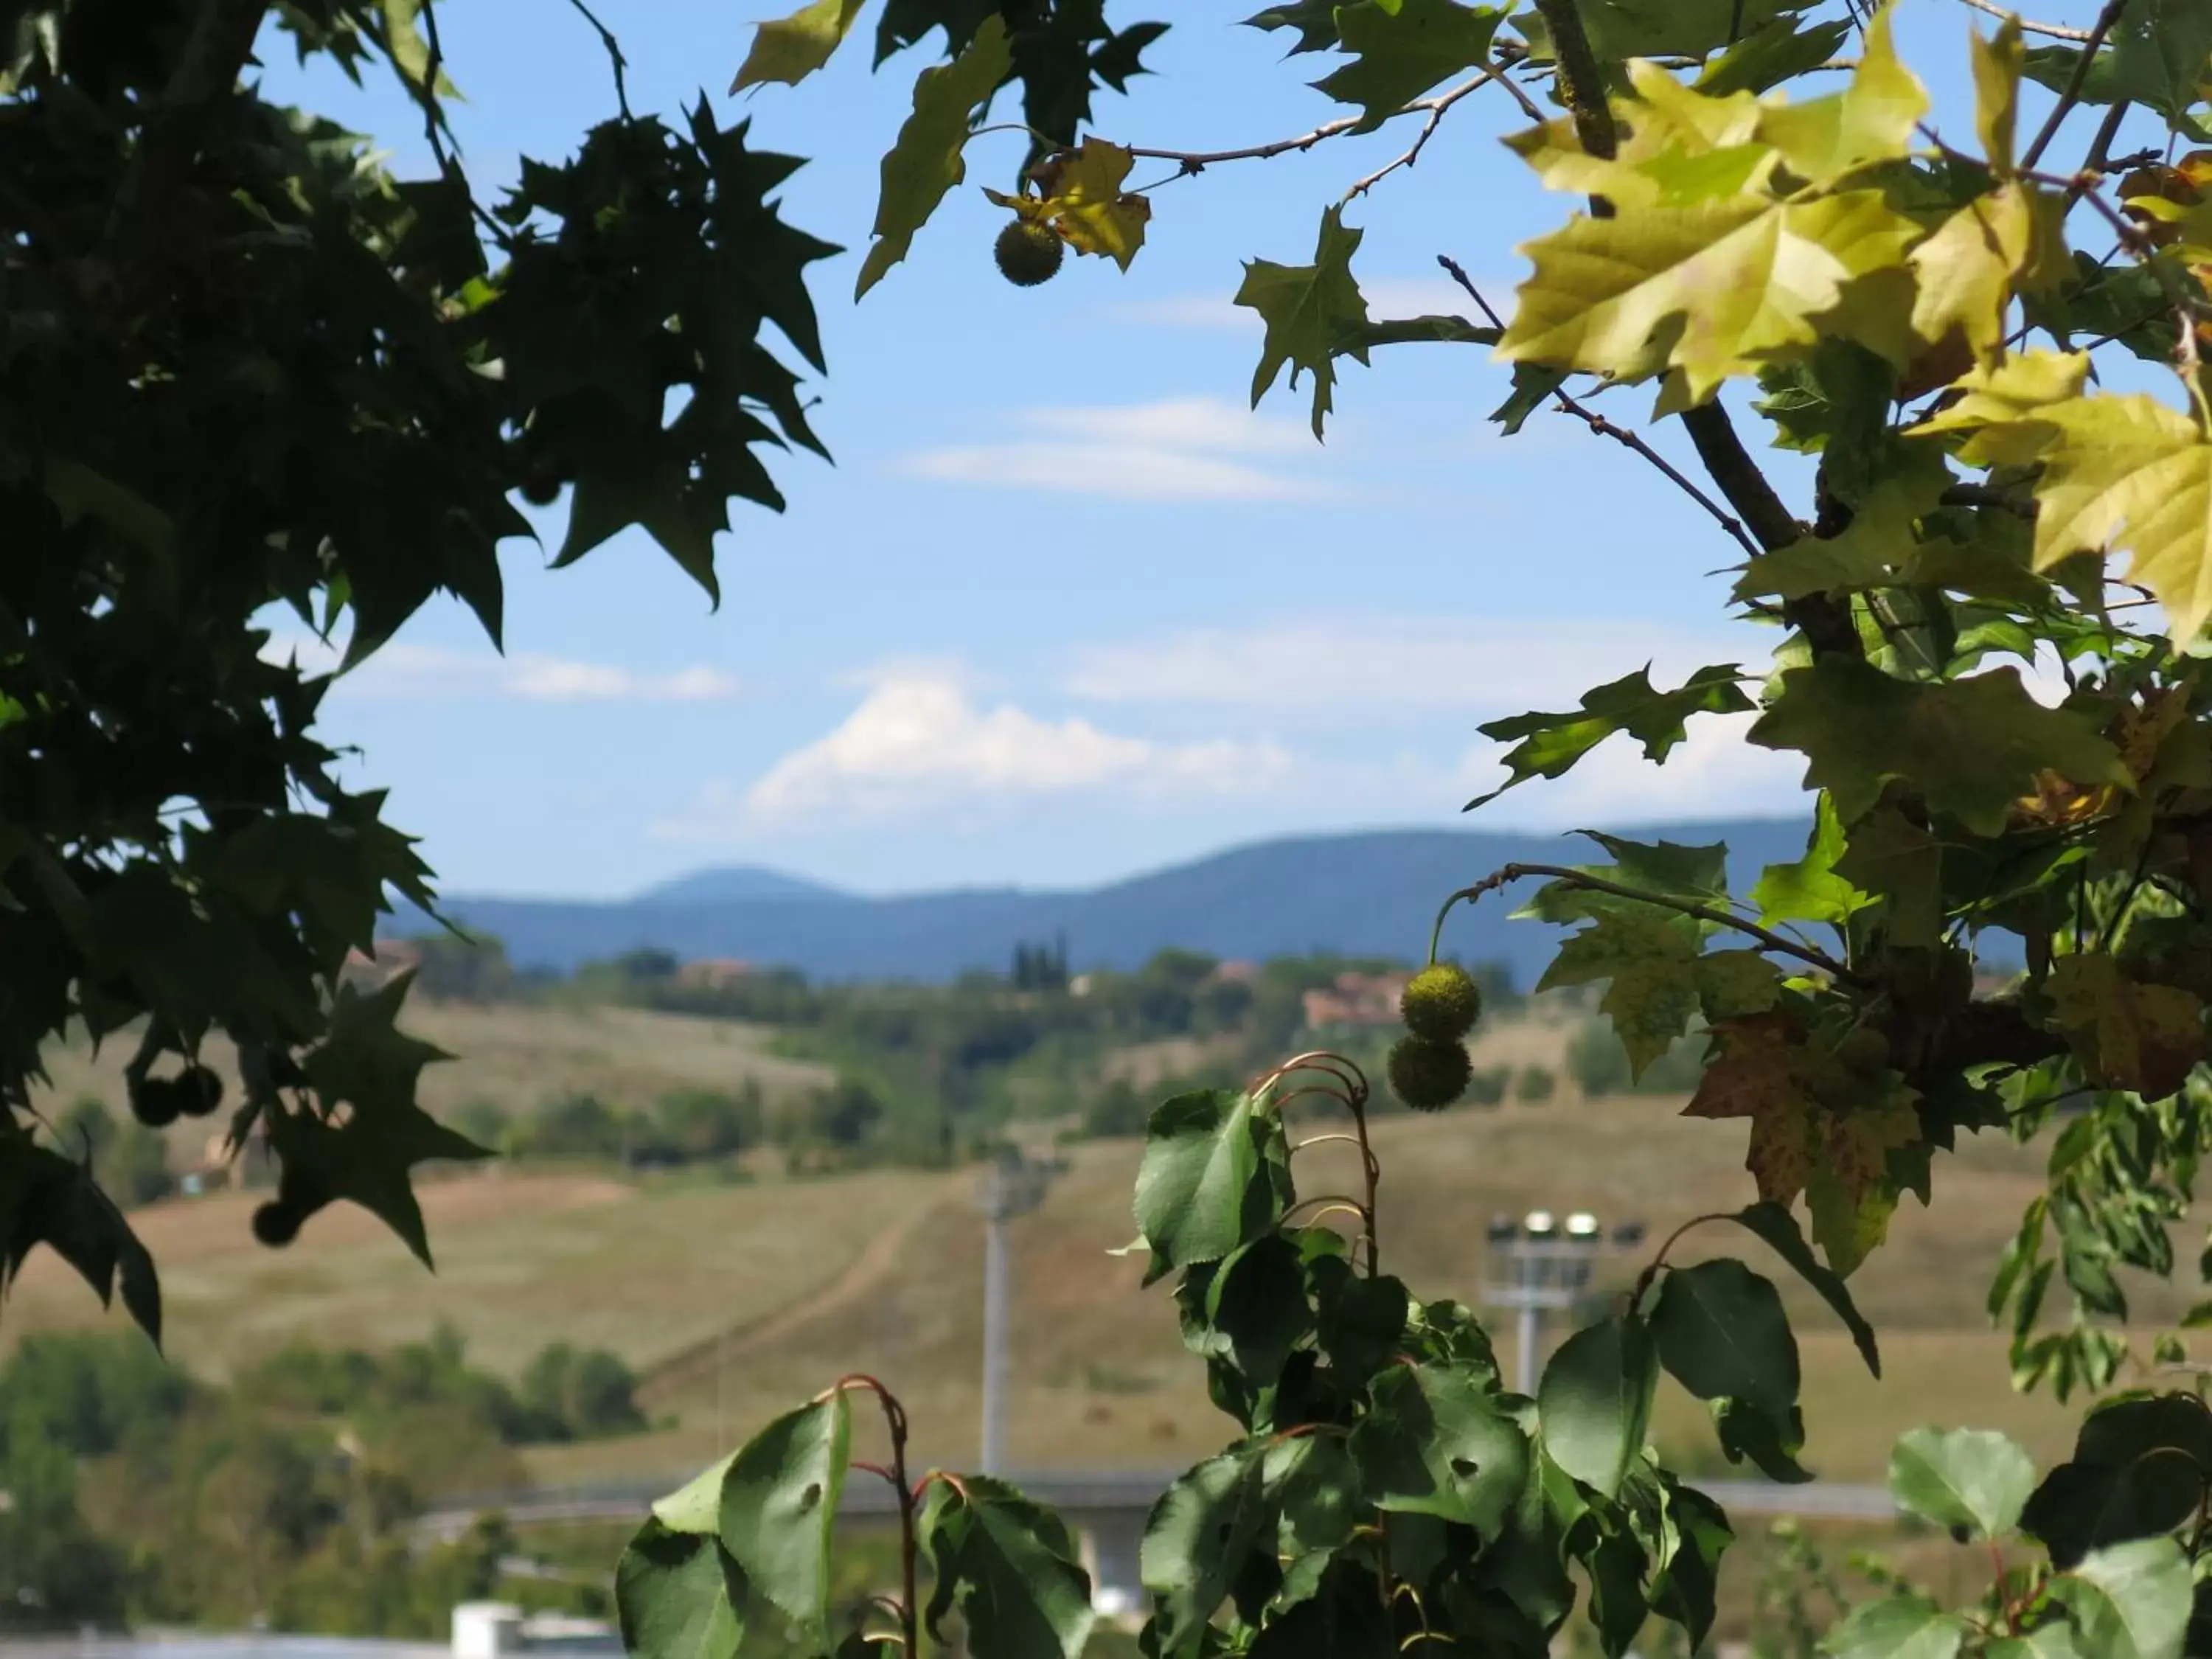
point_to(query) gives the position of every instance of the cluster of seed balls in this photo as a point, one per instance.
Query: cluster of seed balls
(158, 1102)
(1429, 1066)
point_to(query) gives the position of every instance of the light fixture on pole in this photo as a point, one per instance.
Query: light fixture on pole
(1539, 1266)
(1009, 1186)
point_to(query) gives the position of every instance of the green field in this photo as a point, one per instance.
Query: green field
(733, 1299)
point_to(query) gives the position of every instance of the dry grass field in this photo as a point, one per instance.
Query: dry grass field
(735, 1300)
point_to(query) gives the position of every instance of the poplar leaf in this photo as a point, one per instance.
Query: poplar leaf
(1310, 311)
(790, 49)
(927, 160)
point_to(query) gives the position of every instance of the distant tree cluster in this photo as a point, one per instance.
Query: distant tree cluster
(138, 1491)
(130, 1160)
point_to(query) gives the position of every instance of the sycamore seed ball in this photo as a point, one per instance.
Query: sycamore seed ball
(1441, 1003)
(1029, 254)
(1426, 1074)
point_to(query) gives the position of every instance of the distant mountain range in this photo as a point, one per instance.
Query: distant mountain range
(1370, 893)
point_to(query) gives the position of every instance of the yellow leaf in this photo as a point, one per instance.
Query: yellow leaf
(1996, 92)
(1965, 269)
(2129, 474)
(2004, 409)
(1870, 120)
(790, 49)
(927, 160)
(1669, 126)
(1084, 201)
(1715, 288)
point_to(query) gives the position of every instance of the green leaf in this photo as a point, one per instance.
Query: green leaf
(2143, 1038)
(1595, 1401)
(2051, 1641)
(1257, 1302)
(1648, 960)
(1201, 1536)
(1314, 20)
(1779, 1230)
(1782, 51)
(1721, 1331)
(1310, 311)
(1622, 29)
(1970, 1477)
(1771, 1440)
(926, 160)
(1897, 1627)
(1972, 747)
(679, 1596)
(779, 1507)
(791, 48)
(1899, 862)
(1401, 48)
(1010, 1566)
(1213, 1177)
(696, 1506)
(2131, 1601)
(1533, 385)
(1437, 1442)
(1548, 745)
(1810, 889)
(2154, 56)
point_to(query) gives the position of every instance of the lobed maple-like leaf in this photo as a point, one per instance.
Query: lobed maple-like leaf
(1310, 312)
(2142, 1038)
(1401, 48)
(1082, 201)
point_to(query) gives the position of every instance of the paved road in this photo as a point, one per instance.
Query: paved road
(1114, 1493)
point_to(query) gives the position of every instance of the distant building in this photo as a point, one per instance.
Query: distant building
(1355, 999)
(1233, 973)
(713, 974)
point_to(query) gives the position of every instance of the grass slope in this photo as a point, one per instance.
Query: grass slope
(736, 1300)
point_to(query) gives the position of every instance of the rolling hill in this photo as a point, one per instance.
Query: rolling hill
(1369, 894)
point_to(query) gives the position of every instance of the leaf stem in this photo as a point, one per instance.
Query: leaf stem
(1604, 429)
(2091, 45)
(896, 1421)
(1651, 1272)
(1773, 940)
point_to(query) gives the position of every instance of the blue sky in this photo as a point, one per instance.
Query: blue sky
(1063, 608)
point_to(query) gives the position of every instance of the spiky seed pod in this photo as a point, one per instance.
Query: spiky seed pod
(1428, 1075)
(1029, 254)
(1441, 1003)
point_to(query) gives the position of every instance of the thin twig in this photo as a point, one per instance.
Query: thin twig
(1412, 153)
(1197, 160)
(615, 61)
(2027, 25)
(434, 125)
(1604, 429)
(2091, 45)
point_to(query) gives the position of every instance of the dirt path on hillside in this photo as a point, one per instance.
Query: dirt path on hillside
(868, 1272)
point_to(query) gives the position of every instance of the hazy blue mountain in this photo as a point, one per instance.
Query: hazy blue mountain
(1371, 894)
(738, 884)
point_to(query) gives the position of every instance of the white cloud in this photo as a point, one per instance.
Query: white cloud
(402, 672)
(920, 741)
(1354, 667)
(1180, 449)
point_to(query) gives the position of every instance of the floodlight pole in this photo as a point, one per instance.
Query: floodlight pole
(1011, 1186)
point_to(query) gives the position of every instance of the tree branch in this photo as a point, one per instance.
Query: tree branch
(1604, 429)
(2091, 46)
(1773, 940)
(1580, 83)
(615, 58)
(1438, 105)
